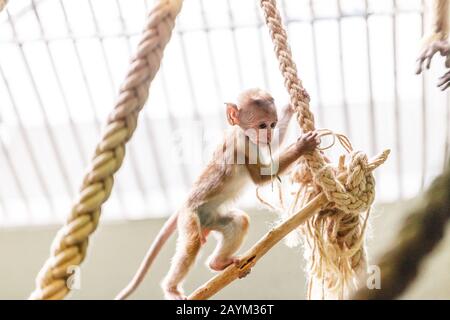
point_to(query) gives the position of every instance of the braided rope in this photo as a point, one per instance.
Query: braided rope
(70, 244)
(336, 235)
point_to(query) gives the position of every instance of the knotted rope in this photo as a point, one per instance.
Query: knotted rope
(70, 244)
(335, 241)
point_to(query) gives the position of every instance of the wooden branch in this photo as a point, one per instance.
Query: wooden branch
(249, 259)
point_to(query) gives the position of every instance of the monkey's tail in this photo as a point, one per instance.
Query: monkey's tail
(163, 234)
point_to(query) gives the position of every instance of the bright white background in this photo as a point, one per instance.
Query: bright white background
(61, 63)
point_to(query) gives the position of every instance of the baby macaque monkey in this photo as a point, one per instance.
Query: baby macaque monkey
(437, 41)
(236, 162)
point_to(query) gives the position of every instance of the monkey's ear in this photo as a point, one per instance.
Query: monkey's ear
(232, 113)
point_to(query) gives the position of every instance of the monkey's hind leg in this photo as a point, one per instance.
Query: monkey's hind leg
(232, 227)
(187, 248)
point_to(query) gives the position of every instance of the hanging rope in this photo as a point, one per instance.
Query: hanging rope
(334, 242)
(420, 234)
(69, 246)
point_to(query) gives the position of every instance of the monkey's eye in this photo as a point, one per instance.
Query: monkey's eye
(273, 125)
(262, 126)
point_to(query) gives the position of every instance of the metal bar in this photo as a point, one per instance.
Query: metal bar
(345, 109)
(25, 10)
(173, 123)
(262, 57)
(23, 132)
(73, 128)
(316, 64)
(314, 48)
(447, 137)
(397, 129)
(16, 179)
(424, 115)
(81, 67)
(190, 81)
(212, 61)
(3, 210)
(215, 28)
(48, 128)
(102, 46)
(3, 207)
(162, 181)
(235, 46)
(372, 126)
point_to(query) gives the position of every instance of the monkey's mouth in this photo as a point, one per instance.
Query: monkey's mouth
(263, 140)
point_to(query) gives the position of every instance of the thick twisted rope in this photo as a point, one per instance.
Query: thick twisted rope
(70, 244)
(324, 175)
(298, 97)
(420, 234)
(336, 237)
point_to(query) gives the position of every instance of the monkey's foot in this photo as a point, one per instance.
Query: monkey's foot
(174, 294)
(219, 264)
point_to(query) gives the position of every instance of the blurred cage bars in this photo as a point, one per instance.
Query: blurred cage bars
(61, 62)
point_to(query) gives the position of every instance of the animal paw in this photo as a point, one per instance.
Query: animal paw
(427, 54)
(174, 294)
(221, 264)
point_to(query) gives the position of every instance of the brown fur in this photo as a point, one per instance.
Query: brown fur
(437, 41)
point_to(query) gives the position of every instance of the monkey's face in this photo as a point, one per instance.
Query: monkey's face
(259, 124)
(256, 115)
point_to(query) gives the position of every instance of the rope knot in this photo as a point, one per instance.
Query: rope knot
(350, 186)
(337, 231)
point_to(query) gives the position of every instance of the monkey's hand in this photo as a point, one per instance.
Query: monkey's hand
(444, 81)
(432, 45)
(307, 142)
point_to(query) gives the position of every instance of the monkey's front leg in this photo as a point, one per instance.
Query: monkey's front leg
(433, 46)
(443, 47)
(437, 41)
